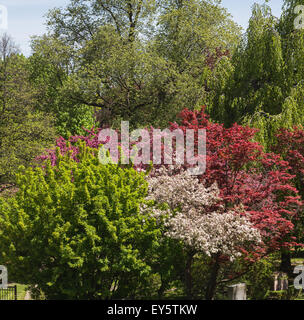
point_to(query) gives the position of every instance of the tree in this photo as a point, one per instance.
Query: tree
(262, 85)
(125, 55)
(189, 42)
(289, 144)
(76, 230)
(255, 85)
(288, 17)
(247, 175)
(82, 18)
(49, 69)
(119, 78)
(195, 35)
(24, 131)
(197, 220)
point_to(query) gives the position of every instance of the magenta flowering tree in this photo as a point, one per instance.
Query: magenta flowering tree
(70, 145)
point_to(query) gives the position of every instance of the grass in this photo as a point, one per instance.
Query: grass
(21, 291)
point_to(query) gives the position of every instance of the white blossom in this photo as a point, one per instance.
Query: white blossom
(192, 217)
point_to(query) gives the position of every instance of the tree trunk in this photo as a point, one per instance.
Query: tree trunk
(213, 280)
(286, 262)
(188, 276)
(162, 288)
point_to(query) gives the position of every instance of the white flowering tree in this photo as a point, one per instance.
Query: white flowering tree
(196, 218)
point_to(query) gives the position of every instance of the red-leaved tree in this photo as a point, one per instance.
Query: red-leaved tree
(262, 182)
(247, 175)
(290, 145)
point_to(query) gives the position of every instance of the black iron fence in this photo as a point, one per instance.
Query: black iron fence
(10, 293)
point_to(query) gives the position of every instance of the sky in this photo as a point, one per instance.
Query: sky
(26, 18)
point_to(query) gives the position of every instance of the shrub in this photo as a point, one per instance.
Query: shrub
(75, 229)
(260, 278)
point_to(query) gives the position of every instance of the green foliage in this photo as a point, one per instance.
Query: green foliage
(186, 41)
(169, 264)
(260, 278)
(201, 275)
(262, 86)
(290, 294)
(24, 131)
(49, 67)
(141, 61)
(286, 23)
(76, 231)
(82, 18)
(255, 81)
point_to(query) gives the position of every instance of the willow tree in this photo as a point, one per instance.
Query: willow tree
(255, 81)
(290, 111)
(290, 17)
(262, 85)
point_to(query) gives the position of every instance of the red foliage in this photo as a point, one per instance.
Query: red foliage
(249, 176)
(290, 144)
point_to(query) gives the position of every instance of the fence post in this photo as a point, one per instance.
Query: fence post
(16, 292)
